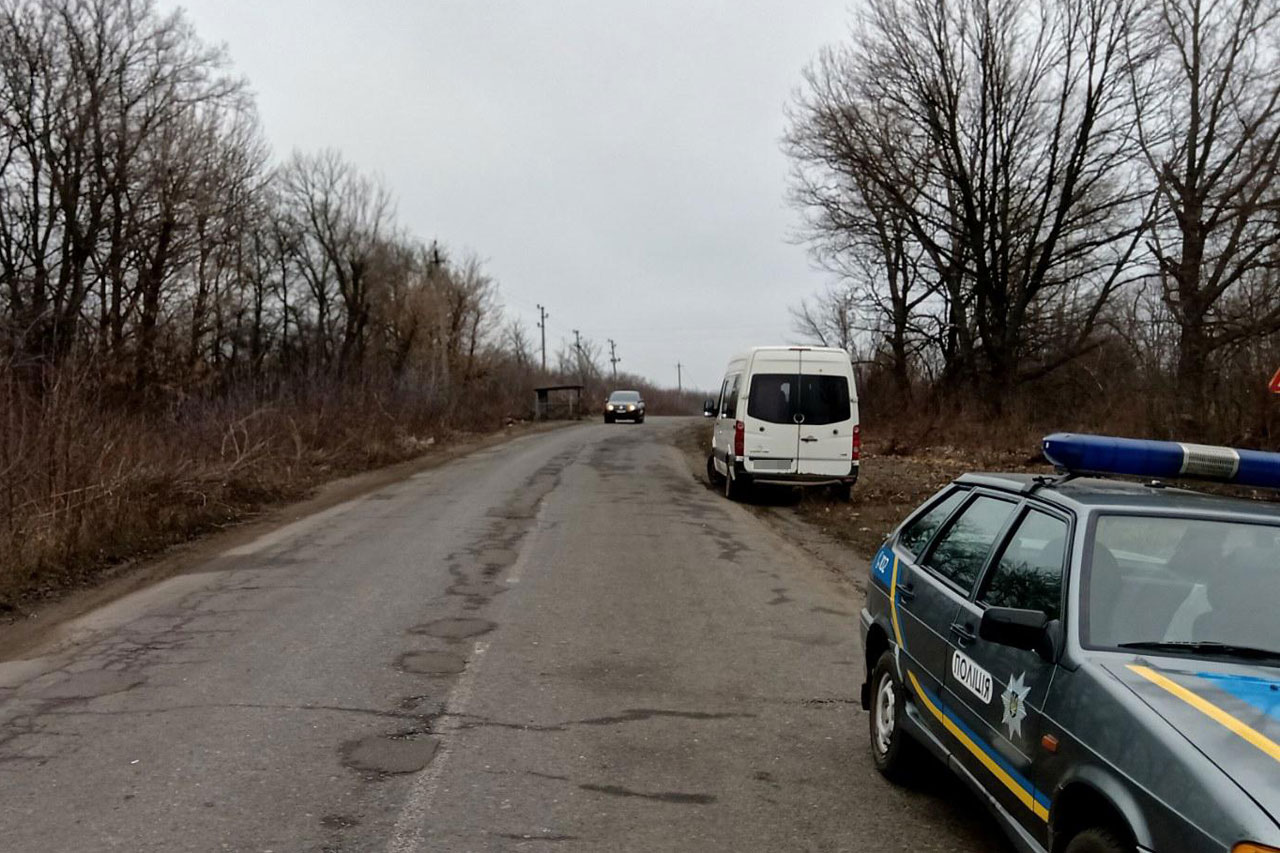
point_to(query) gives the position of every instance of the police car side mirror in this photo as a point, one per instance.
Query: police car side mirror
(708, 408)
(1022, 629)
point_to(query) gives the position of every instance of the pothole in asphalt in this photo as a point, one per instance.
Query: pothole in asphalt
(455, 629)
(496, 556)
(390, 753)
(477, 589)
(432, 663)
(87, 685)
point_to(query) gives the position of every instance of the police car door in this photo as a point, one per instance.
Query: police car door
(921, 607)
(996, 693)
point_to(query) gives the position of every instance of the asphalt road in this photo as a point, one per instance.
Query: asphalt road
(561, 643)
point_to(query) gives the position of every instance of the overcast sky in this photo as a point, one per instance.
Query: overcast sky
(617, 162)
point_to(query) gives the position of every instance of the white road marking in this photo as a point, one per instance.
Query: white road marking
(406, 836)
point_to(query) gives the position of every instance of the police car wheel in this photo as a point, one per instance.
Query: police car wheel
(713, 476)
(890, 746)
(1099, 840)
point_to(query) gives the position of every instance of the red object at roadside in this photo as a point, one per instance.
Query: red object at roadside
(1275, 383)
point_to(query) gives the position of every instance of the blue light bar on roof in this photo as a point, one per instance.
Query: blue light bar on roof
(1101, 454)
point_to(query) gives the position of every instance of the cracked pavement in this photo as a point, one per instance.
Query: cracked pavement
(563, 642)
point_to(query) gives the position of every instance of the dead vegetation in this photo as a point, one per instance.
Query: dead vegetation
(191, 329)
(84, 487)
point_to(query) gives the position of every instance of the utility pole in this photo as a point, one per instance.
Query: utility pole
(680, 378)
(577, 347)
(613, 356)
(542, 324)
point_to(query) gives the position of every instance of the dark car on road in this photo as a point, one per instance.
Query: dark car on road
(1098, 657)
(624, 406)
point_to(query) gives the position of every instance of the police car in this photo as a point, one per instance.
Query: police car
(1099, 658)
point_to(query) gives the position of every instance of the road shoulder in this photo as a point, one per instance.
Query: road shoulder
(21, 632)
(782, 512)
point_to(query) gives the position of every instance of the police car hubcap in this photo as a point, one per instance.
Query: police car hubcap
(886, 706)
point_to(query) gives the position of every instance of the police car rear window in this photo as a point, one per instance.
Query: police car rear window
(963, 549)
(915, 538)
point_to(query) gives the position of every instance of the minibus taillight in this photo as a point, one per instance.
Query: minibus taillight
(739, 438)
(857, 442)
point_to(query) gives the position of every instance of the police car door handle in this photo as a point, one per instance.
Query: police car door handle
(964, 633)
(906, 592)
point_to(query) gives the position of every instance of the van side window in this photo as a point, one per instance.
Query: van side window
(729, 397)
(917, 534)
(772, 396)
(963, 548)
(824, 399)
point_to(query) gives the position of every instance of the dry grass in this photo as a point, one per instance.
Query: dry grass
(85, 485)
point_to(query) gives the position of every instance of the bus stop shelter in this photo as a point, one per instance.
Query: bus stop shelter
(565, 404)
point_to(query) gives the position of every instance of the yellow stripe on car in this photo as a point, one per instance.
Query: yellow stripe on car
(893, 602)
(1211, 711)
(1024, 796)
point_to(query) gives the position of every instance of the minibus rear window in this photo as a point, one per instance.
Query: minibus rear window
(771, 397)
(821, 399)
(824, 399)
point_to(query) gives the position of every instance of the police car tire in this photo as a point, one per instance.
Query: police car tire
(896, 762)
(1098, 840)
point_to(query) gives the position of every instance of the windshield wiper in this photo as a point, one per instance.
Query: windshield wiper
(1204, 647)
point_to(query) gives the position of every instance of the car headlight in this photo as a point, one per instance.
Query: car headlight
(631, 408)
(609, 408)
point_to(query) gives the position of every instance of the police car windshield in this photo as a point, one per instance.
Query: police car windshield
(1193, 586)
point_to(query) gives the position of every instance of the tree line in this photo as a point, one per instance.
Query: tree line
(145, 230)
(191, 328)
(1019, 195)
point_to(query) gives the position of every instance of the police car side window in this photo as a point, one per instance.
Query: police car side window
(964, 546)
(917, 534)
(1029, 572)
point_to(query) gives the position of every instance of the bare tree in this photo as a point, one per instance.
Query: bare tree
(340, 216)
(994, 136)
(1208, 110)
